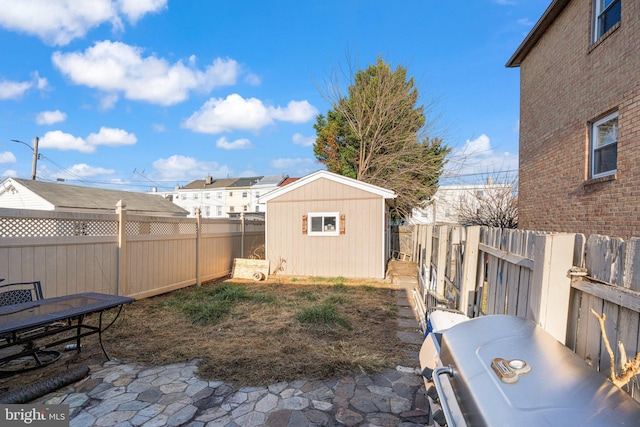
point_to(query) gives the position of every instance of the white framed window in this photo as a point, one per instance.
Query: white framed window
(207, 195)
(324, 224)
(219, 211)
(257, 208)
(195, 196)
(219, 194)
(606, 14)
(183, 196)
(244, 194)
(604, 146)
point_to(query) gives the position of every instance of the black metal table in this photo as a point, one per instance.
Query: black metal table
(25, 325)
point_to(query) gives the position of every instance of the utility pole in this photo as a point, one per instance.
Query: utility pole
(35, 158)
(34, 163)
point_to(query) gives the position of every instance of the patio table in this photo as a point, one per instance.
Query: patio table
(24, 325)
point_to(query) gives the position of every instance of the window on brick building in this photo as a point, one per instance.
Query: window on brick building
(604, 146)
(606, 14)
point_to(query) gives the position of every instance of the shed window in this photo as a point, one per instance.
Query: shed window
(324, 224)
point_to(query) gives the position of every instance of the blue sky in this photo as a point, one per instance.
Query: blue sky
(131, 94)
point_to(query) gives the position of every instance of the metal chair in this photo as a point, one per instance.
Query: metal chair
(16, 293)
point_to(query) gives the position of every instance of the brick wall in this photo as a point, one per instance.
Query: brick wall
(566, 83)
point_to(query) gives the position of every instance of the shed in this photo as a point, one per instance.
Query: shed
(328, 225)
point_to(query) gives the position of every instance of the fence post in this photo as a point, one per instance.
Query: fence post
(469, 270)
(198, 244)
(121, 211)
(441, 262)
(549, 295)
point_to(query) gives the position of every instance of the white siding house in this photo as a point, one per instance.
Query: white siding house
(223, 197)
(48, 196)
(444, 206)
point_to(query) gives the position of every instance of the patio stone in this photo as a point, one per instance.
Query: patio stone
(151, 395)
(295, 403)
(182, 416)
(348, 417)
(115, 418)
(75, 399)
(267, 403)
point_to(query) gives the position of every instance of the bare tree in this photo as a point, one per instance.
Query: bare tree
(495, 205)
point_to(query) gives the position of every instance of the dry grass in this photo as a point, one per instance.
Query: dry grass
(261, 333)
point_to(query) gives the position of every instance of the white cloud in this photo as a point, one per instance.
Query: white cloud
(477, 156)
(305, 141)
(136, 9)
(481, 146)
(296, 112)
(50, 117)
(59, 140)
(108, 101)
(10, 173)
(238, 144)
(158, 127)
(234, 112)
(114, 68)
(7, 157)
(15, 90)
(112, 137)
(83, 170)
(253, 79)
(58, 22)
(180, 168)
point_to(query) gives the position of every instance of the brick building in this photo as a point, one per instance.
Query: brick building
(580, 119)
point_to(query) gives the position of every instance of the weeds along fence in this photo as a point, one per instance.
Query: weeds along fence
(554, 279)
(120, 254)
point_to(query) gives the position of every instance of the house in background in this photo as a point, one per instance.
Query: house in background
(223, 197)
(580, 119)
(328, 225)
(18, 193)
(445, 206)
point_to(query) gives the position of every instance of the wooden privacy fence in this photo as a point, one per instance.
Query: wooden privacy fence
(553, 279)
(120, 254)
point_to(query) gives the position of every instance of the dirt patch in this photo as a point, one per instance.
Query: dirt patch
(253, 333)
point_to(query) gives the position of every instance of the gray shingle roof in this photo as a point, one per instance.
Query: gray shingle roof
(199, 184)
(246, 182)
(64, 196)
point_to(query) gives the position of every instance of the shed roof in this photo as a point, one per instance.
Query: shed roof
(382, 192)
(553, 11)
(76, 197)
